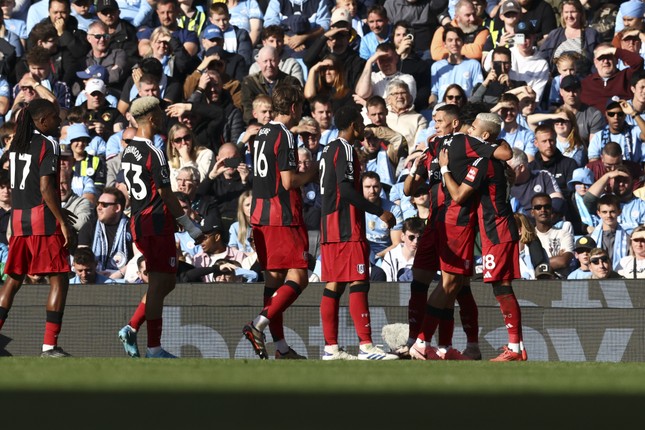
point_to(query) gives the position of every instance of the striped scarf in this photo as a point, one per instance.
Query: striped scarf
(117, 257)
(620, 243)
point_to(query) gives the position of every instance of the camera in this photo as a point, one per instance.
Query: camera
(409, 36)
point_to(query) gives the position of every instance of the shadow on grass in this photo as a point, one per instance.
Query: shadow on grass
(314, 411)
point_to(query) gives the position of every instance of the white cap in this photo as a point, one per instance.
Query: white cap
(340, 14)
(95, 85)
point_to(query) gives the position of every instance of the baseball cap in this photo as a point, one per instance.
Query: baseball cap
(570, 82)
(212, 32)
(102, 5)
(581, 175)
(612, 102)
(210, 223)
(509, 6)
(543, 271)
(340, 17)
(65, 150)
(525, 27)
(93, 71)
(95, 85)
(584, 243)
(296, 24)
(77, 131)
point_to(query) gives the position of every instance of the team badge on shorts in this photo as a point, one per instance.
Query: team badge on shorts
(172, 261)
(360, 268)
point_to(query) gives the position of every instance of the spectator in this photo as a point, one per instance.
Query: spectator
(581, 250)
(13, 22)
(309, 137)
(326, 79)
(113, 59)
(375, 158)
(401, 116)
(265, 80)
(556, 241)
(532, 255)
(528, 66)
(541, 16)
(375, 83)
(633, 265)
(81, 185)
(236, 39)
(498, 80)
(311, 202)
(322, 112)
(397, 263)
(103, 120)
(516, 135)
(123, 35)
(10, 46)
(142, 271)
(502, 27)
(550, 159)
(628, 39)
(568, 139)
(239, 234)
(316, 11)
(113, 160)
(136, 12)
(380, 31)
(620, 183)
(85, 164)
(421, 21)
(377, 115)
(93, 72)
(186, 245)
(600, 265)
(574, 36)
(183, 151)
(630, 138)
(609, 235)
(336, 41)
(191, 18)
(590, 119)
(611, 157)
(79, 206)
(109, 236)
(216, 58)
(565, 66)
(411, 63)
(188, 180)
(381, 238)
(262, 114)
(474, 34)
(39, 82)
(528, 182)
(608, 81)
(638, 101)
(630, 14)
(454, 69)
(85, 269)
(247, 15)
(582, 220)
(274, 36)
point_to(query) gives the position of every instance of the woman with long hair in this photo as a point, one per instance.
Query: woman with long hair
(182, 151)
(633, 265)
(532, 254)
(568, 139)
(239, 234)
(327, 78)
(160, 49)
(455, 95)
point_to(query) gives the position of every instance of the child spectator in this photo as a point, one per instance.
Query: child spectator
(581, 251)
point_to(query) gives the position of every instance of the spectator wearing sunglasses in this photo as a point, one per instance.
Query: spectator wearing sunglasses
(600, 265)
(113, 59)
(397, 263)
(556, 241)
(633, 265)
(629, 137)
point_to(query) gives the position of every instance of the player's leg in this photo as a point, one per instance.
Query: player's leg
(452, 283)
(512, 320)
(9, 289)
(16, 267)
(128, 334)
(469, 316)
(271, 284)
(160, 284)
(421, 349)
(329, 310)
(59, 285)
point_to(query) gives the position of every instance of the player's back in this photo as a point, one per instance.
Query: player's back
(274, 151)
(30, 214)
(145, 171)
(495, 211)
(341, 221)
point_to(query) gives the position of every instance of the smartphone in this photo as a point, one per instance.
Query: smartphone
(232, 162)
(497, 67)
(519, 39)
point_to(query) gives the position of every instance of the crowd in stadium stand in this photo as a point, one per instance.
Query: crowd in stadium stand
(566, 77)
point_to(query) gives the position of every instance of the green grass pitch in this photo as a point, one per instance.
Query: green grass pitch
(192, 393)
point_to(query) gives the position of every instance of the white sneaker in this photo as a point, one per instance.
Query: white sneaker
(337, 354)
(371, 352)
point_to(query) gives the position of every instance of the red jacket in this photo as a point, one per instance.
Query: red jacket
(595, 92)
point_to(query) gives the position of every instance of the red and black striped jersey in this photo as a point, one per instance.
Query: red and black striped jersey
(30, 215)
(274, 151)
(146, 171)
(341, 221)
(496, 220)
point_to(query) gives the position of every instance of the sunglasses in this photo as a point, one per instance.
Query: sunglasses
(639, 240)
(100, 36)
(599, 260)
(506, 111)
(106, 204)
(456, 98)
(613, 114)
(180, 139)
(540, 207)
(413, 237)
(561, 121)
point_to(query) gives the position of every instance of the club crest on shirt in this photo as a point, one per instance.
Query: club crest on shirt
(360, 268)
(537, 188)
(472, 173)
(165, 172)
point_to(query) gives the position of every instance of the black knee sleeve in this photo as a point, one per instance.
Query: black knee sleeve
(502, 290)
(359, 288)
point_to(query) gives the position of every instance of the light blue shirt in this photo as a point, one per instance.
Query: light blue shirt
(466, 74)
(83, 23)
(83, 185)
(369, 42)
(523, 139)
(634, 153)
(234, 242)
(17, 26)
(242, 12)
(632, 214)
(328, 136)
(381, 165)
(100, 279)
(136, 12)
(577, 153)
(321, 18)
(113, 145)
(378, 233)
(580, 274)
(396, 193)
(37, 12)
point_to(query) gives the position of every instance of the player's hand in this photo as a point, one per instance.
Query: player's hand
(388, 218)
(443, 157)
(510, 175)
(70, 217)
(70, 237)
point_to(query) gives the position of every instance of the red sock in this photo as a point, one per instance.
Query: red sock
(329, 305)
(446, 327)
(154, 332)
(512, 316)
(138, 317)
(360, 311)
(430, 323)
(275, 325)
(281, 300)
(1, 324)
(469, 314)
(52, 330)
(416, 307)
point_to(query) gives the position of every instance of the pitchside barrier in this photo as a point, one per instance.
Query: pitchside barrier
(563, 321)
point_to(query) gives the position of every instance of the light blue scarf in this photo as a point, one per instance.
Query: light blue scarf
(118, 255)
(620, 243)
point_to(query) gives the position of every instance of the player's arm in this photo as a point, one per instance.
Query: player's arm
(459, 193)
(414, 179)
(291, 179)
(182, 219)
(349, 193)
(51, 196)
(503, 152)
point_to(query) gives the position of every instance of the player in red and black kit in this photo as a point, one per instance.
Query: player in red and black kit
(489, 179)
(279, 232)
(41, 231)
(154, 211)
(344, 248)
(456, 234)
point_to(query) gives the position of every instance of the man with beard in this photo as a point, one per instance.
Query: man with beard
(475, 34)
